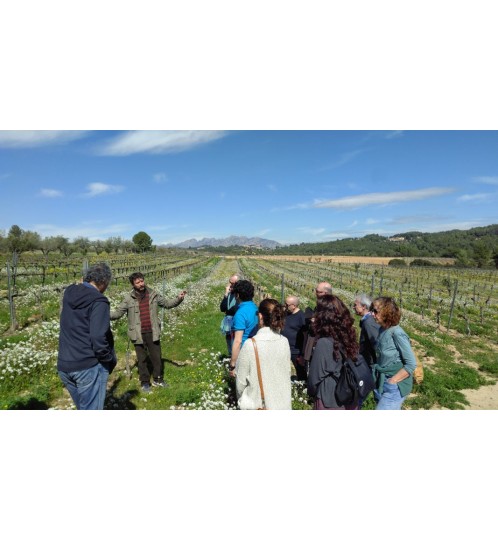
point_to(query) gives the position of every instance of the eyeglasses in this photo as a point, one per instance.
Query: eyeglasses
(375, 310)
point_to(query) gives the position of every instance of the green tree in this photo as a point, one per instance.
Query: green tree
(142, 242)
(48, 244)
(482, 253)
(397, 263)
(82, 244)
(462, 259)
(19, 241)
(98, 246)
(14, 240)
(3, 242)
(31, 240)
(63, 245)
(127, 246)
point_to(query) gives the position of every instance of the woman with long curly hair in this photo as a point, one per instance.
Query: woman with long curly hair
(396, 362)
(275, 363)
(333, 325)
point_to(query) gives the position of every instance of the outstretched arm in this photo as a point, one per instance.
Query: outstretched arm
(171, 303)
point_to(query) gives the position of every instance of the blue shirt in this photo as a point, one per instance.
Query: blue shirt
(245, 319)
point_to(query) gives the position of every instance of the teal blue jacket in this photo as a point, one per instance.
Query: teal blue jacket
(393, 353)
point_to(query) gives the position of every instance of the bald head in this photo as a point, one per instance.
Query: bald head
(292, 304)
(231, 282)
(323, 288)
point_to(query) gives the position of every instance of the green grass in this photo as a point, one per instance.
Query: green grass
(192, 344)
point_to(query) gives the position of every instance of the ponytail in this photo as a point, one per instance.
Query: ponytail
(273, 314)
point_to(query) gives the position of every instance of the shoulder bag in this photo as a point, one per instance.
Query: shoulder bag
(260, 378)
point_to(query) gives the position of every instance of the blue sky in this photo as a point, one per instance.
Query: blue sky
(288, 186)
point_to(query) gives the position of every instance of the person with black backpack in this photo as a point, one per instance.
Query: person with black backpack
(333, 325)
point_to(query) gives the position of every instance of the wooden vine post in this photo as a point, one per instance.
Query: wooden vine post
(282, 291)
(11, 293)
(452, 305)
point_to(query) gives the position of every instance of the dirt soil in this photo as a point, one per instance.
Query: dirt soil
(484, 398)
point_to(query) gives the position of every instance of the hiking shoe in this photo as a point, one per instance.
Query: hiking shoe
(160, 384)
(146, 388)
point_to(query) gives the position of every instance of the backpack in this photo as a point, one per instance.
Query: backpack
(355, 382)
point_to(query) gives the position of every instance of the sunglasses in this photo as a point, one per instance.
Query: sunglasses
(375, 311)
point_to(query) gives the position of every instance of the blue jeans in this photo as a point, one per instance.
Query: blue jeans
(87, 387)
(390, 399)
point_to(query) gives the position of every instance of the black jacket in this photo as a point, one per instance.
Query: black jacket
(369, 335)
(85, 335)
(225, 302)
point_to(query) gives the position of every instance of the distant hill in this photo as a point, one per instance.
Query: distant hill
(252, 242)
(456, 243)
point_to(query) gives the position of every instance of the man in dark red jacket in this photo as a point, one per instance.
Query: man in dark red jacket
(86, 345)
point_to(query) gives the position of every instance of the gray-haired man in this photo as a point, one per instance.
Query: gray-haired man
(370, 329)
(86, 345)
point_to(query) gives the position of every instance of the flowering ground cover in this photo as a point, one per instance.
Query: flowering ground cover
(194, 351)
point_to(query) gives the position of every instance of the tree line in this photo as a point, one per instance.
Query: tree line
(18, 240)
(477, 247)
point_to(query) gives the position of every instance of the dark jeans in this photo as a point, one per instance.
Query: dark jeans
(229, 340)
(301, 371)
(154, 351)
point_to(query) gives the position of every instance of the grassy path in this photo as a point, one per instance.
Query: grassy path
(192, 349)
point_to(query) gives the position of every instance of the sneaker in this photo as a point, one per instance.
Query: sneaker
(146, 388)
(160, 384)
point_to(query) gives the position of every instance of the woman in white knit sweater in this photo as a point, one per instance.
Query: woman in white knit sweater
(275, 362)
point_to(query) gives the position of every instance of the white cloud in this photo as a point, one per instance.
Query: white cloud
(372, 221)
(299, 206)
(263, 232)
(365, 200)
(98, 188)
(47, 192)
(158, 142)
(160, 178)
(486, 180)
(339, 235)
(394, 134)
(312, 230)
(476, 197)
(26, 138)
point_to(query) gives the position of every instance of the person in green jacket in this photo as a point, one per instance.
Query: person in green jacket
(393, 370)
(141, 306)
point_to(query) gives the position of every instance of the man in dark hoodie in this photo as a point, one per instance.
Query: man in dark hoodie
(86, 345)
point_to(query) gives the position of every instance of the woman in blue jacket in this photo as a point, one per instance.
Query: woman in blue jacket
(396, 362)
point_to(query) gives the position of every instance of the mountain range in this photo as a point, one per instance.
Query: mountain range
(254, 242)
